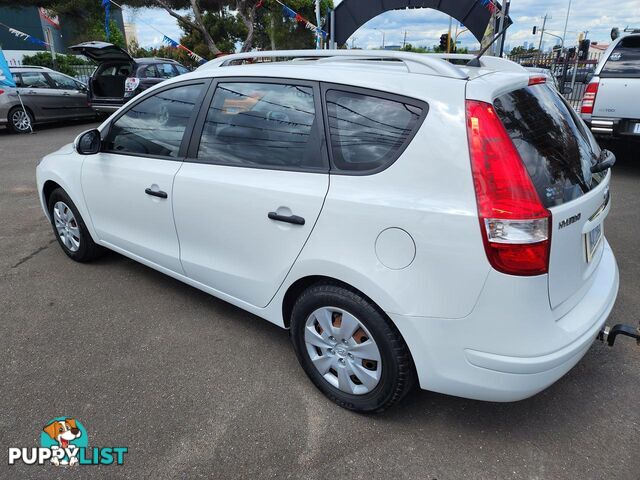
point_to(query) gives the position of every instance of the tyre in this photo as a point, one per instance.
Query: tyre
(70, 229)
(349, 349)
(20, 121)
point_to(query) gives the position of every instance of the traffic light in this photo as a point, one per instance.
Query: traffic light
(583, 49)
(535, 29)
(571, 52)
(443, 41)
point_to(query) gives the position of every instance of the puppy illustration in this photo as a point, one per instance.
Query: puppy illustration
(63, 431)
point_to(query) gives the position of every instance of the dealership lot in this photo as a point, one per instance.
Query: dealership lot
(197, 388)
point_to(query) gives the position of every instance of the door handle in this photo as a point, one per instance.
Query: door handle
(66, 94)
(156, 193)
(295, 219)
(32, 92)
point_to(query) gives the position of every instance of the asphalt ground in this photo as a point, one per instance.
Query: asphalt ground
(196, 388)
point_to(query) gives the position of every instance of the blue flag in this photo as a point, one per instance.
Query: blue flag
(6, 79)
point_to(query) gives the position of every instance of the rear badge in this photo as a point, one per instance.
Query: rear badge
(568, 221)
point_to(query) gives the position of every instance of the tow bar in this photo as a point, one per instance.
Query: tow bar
(609, 334)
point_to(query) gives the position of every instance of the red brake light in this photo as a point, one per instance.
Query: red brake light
(515, 225)
(537, 80)
(589, 97)
(1, 91)
(131, 83)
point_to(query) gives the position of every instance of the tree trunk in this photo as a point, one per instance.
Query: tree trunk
(248, 19)
(196, 24)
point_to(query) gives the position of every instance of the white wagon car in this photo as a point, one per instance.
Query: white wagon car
(409, 220)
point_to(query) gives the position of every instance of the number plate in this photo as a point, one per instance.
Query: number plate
(636, 128)
(592, 240)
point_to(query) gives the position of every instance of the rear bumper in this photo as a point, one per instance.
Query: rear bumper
(605, 127)
(497, 357)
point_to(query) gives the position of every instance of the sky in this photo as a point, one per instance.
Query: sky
(424, 26)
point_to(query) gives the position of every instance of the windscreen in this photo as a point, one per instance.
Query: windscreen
(553, 143)
(624, 60)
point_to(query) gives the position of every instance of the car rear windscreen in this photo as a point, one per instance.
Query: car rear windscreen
(624, 60)
(554, 145)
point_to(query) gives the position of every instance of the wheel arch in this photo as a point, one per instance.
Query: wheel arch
(29, 110)
(47, 189)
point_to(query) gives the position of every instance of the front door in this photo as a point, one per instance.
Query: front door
(73, 100)
(128, 186)
(248, 196)
(38, 95)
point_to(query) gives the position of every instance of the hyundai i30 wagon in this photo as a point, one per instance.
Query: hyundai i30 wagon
(408, 219)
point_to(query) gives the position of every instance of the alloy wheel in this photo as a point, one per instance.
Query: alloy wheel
(21, 120)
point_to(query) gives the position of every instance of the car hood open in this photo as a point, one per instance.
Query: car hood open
(102, 52)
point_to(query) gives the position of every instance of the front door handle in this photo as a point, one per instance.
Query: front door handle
(156, 193)
(295, 219)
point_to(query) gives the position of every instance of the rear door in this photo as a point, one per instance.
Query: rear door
(73, 100)
(620, 82)
(248, 196)
(39, 95)
(558, 152)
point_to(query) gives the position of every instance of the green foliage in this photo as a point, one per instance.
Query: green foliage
(95, 31)
(410, 48)
(520, 50)
(275, 32)
(164, 52)
(64, 63)
(225, 29)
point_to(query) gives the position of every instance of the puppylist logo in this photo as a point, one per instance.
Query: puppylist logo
(64, 442)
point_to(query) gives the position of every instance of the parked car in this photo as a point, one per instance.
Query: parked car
(47, 96)
(119, 77)
(408, 220)
(583, 74)
(611, 102)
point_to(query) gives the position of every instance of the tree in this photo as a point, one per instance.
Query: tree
(64, 63)
(520, 50)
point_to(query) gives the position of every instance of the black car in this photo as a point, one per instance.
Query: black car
(120, 77)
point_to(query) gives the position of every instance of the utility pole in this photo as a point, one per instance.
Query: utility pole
(503, 19)
(404, 40)
(544, 22)
(353, 42)
(449, 37)
(566, 20)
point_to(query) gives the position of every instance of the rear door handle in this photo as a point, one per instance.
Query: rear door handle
(295, 219)
(156, 193)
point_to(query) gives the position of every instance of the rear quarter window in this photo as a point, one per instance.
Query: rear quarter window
(368, 133)
(624, 60)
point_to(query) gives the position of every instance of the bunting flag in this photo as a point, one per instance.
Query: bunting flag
(107, 11)
(26, 37)
(489, 5)
(172, 43)
(289, 13)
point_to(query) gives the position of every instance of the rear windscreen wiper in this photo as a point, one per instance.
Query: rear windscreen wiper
(605, 161)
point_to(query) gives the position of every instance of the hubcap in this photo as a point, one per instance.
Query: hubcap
(20, 120)
(67, 226)
(342, 350)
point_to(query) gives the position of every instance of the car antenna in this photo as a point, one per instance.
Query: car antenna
(475, 62)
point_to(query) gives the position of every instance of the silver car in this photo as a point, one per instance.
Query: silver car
(47, 96)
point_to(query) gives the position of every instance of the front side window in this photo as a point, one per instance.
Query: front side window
(262, 125)
(34, 80)
(181, 70)
(62, 82)
(155, 126)
(368, 132)
(150, 72)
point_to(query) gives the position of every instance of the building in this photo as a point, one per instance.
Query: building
(130, 33)
(59, 32)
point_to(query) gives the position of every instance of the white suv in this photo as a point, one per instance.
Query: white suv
(407, 218)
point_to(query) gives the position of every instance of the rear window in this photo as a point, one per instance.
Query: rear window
(555, 147)
(624, 60)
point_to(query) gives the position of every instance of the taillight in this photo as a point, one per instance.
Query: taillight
(131, 84)
(589, 97)
(515, 225)
(1, 91)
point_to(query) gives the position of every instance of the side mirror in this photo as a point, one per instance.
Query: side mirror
(88, 143)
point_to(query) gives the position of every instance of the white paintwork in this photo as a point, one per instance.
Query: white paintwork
(472, 331)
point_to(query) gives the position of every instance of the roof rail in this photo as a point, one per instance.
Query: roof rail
(492, 63)
(414, 62)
